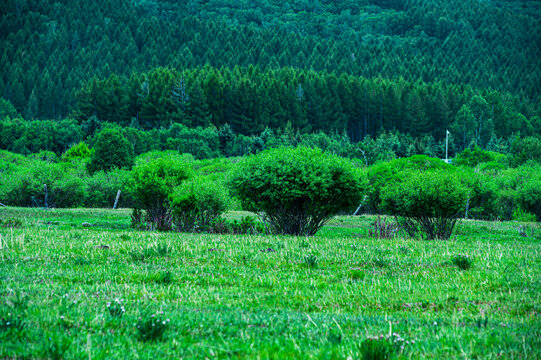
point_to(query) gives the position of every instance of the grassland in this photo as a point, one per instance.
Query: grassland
(263, 297)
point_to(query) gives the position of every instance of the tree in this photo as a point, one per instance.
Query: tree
(111, 151)
(296, 190)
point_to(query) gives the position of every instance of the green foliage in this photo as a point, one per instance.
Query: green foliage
(426, 202)
(7, 110)
(246, 225)
(197, 203)
(111, 151)
(477, 156)
(380, 175)
(101, 189)
(78, 151)
(296, 190)
(529, 196)
(151, 185)
(526, 149)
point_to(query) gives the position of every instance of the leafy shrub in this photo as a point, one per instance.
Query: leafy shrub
(472, 158)
(111, 151)
(78, 151)
(483, 199)
(529, 197)
(296, 190)
(151, 185)
(427, 203)
(197, 203)
(151, 327)
(102, 187)
(68, 191)
(380, 175)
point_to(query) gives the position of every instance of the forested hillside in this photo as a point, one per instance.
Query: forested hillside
(360, 67)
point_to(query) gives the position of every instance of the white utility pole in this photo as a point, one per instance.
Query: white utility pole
(447, 146)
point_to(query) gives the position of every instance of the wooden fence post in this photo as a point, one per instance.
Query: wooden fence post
(116, 200)
(46, 205)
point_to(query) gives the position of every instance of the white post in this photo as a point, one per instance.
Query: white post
(447, 146)
(116, 199)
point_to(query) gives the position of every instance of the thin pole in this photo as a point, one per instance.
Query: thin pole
(46, 196)
(116, 200)
(447, 146)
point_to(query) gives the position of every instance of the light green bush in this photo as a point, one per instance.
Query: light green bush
(426, 203)
(152, 183)
(296, 190)
(197, 203)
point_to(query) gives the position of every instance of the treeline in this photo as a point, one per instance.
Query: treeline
(48, 48)
(250, 100)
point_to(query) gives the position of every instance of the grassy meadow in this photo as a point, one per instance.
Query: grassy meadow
(242, 296)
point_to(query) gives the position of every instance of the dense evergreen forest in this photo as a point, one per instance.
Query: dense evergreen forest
(417, 67)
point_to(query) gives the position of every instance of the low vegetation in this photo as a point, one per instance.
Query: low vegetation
(72, 291)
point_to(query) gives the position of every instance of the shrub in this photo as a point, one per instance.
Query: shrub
(111, 151)
(102, 188)
(483, 200)
(196, 204)
(529, 197)
(151, 185)
(426, 203)
(380, 175)
(67, 192)
(77, 151)
(296, 190)
(472, 158)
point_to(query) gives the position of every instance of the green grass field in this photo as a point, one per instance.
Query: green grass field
(263, 296)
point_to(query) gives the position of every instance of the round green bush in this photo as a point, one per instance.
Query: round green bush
(197, 203)
(111, 151)
(427, 203)
(296, 190)
(151, 185)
